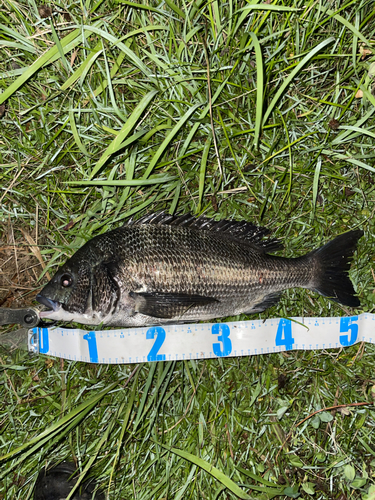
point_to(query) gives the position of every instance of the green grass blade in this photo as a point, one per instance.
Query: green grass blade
(216, 473)
(63, 422)
(114, 70)
(124, 132)
(76, 135)
(142, 403)
(124, 426)
(348, 25)
(295, 72)
(176, 198)
(316, 182)
(39, 63)
(359, 132)
(257, 478)
(342, 136)
(116, 42)
(141, 6)
(349, 159)
(260, 6)
(94, 455)
(84, 67)
(110, 86)
(125, 182)
(175, 9)
(46, 442)
(60, 49)
(24, 43)
(202, 173)
(163, 147)
(260, 89)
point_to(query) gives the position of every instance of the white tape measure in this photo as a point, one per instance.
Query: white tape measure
(202, 341)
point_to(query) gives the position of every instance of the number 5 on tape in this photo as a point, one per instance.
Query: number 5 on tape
(348, 325)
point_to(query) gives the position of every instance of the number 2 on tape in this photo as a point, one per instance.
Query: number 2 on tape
(159, 332)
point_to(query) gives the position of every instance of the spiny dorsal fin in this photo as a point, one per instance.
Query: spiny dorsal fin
(237, 230)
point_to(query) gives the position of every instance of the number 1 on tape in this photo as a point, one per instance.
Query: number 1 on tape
(93, 348)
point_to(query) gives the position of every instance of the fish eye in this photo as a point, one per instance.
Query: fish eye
(66, 280)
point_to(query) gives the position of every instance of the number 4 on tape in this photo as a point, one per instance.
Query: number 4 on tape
(284, 334)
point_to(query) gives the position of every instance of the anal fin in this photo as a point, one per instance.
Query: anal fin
(267, 301)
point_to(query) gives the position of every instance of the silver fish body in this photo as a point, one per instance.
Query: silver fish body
(168, 269)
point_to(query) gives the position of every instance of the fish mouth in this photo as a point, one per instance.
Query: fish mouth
(53, 306)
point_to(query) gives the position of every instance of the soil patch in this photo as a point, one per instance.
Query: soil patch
(20, 267)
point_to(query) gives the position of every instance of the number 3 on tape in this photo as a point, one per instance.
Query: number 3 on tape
(223, 332)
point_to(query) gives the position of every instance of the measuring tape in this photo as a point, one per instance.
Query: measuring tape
(202, 341)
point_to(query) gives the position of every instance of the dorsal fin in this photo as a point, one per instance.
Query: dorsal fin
(237, 230)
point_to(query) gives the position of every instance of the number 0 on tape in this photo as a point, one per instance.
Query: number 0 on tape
(202, 341)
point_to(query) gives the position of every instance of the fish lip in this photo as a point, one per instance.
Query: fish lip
(53, 305)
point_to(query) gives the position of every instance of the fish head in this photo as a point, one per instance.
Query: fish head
(81, 290)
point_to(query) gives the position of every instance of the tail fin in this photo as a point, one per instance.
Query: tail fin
(333, 262)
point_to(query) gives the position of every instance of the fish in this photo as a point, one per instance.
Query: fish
(177, 268)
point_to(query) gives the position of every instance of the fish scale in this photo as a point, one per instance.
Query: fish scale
(168, 269)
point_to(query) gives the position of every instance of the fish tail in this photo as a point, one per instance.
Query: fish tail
(333, 262)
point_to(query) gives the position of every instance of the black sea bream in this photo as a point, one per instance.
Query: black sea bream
(168, 269)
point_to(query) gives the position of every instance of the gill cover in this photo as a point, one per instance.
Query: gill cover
(81, 289)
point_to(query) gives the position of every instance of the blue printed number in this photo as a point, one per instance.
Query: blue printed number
(348, 325)
(93, 349)
(223, 331)
(159, 332)
(284, 334)
(43, 340)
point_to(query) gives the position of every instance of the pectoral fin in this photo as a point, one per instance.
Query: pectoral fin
(167, 305)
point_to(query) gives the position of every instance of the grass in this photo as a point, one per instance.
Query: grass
(263, 112)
